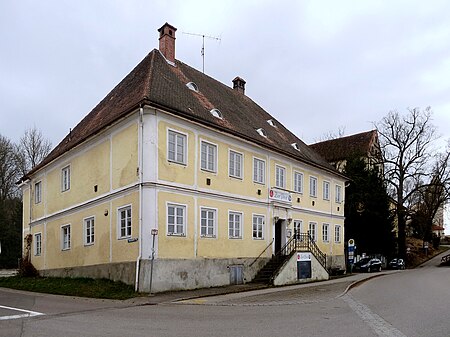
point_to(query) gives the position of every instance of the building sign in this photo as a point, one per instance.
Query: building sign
(279, 195)
(303, 256)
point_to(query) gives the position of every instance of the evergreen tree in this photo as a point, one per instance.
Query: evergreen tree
(368, 219)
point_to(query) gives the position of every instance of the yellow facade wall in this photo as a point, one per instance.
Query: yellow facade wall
(87, 170)
(125, 157)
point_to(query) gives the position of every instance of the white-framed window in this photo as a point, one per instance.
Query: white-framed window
(65, 237)
(208, 157)
(208, 218)
(234, 225)
(325, 232)
(235, 164)
(176, 147)
(258, 226)
(326, 190)
(312, 229)
(312, 186)
(338, 196)
(37, 244)
(298, 182)
(89, 231)
(38, 192)
(280, 176)
(259, 171)
(337, 233)
(124, 222)
(176, 219)
(65, 178)
(298, 227)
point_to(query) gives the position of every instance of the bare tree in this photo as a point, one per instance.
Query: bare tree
(332, 134)
(405, 142)
(31, 150)
(8, 172)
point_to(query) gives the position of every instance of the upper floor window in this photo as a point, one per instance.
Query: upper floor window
(258, 227)
(234, 225)
(313, 187)
(65, 237)
(326, 190)
(124, 222)
(38, 192)
(65, 179)
(298, 182)
(208, 157)
(280, 176)
(37, 244)
(259, 171)
(338, 196)
(176, 149)
(208, 222)
(176, 219)
(89, 231)
(235, 162)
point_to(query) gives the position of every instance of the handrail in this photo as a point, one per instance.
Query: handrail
(271, 242)
(306, 242)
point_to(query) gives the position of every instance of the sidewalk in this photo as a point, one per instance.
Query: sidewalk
(345, 283)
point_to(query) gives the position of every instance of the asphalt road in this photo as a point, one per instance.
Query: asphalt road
(407, 303)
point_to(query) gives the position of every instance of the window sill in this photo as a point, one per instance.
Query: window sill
(208, 236)
(176, 162)
(183, 235)
(235, 237)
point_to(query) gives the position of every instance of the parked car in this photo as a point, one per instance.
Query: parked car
(396, 264)
(368, 264)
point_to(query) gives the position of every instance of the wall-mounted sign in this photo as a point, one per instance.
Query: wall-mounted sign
(279, 195)
(303, 256)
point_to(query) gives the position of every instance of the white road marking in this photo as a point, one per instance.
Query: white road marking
(27, 313)
(378, 324)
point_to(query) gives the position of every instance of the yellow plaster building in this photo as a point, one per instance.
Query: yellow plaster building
(177, 181)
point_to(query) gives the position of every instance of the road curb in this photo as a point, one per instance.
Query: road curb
(359, 282)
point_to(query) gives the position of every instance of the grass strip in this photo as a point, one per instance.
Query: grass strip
(82, 287)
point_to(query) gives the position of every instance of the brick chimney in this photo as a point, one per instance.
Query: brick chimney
(239, 85)
(167, 41)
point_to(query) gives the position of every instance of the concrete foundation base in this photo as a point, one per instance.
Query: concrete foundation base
(184, 274)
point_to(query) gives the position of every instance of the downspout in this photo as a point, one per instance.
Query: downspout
(141, 181)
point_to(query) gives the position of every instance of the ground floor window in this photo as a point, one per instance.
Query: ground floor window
(258, 226)
(65, 237)
(208, 222)
(37, 244)
(234, 225)
(176, 219)
(124, 222)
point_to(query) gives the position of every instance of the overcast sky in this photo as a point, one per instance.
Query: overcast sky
(316, 66)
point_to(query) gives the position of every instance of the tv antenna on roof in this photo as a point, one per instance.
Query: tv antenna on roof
(203, 44)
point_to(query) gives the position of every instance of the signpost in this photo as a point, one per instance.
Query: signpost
(351, 253)
(154, 233)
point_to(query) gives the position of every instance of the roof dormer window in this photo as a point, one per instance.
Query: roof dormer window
(271, 122)
(216, 113)
(262, 132)
(295, 146)
(192, 86)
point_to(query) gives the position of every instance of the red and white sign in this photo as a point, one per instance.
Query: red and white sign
(280, 195)
(303, 256)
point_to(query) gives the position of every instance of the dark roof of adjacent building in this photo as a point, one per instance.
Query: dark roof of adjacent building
(157, 83)
(335, 150)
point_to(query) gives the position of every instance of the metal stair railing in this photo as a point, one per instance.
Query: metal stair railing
(306, 243)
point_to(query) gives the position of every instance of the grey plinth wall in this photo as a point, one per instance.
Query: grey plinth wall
(124, 272)
(183, 274)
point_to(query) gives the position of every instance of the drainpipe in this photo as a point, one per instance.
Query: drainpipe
(141, 181)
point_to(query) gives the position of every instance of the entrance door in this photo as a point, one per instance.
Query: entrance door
(279, 235)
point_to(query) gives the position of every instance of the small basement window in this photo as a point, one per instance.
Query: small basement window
(216, 113)
(192, 86)
(262, 132)
(295, 146)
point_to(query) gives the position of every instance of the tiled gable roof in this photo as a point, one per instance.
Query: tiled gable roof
(155, 82)
(338, 149)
